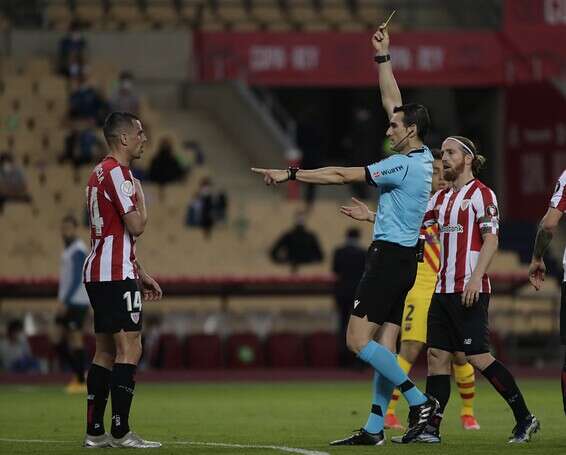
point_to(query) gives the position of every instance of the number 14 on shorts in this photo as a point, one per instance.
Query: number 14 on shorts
(134, 305)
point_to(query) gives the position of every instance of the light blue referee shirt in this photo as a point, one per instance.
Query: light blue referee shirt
(404, 182)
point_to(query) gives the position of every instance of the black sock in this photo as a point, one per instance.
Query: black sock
(79, 364)
(98, 387)
(563, 381)
(122, 390)
(439, 387)
(502, 380)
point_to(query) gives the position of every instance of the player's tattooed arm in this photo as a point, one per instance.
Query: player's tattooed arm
(545, 232)
(150, 288)
(542, 242)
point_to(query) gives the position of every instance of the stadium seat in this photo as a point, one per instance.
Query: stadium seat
(322, 350)
(244, 350)
(203, 352)
(126, 14)
(169, 352)
(285, 350)
(162, 14)
(58, 15)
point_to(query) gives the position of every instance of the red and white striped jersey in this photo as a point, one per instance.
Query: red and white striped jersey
(558, 202)
(110, 194)
(462, 217)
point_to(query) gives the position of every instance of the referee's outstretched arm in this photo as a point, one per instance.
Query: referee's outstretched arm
(333, 175)
(390, 93)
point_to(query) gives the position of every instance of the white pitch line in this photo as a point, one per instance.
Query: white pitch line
(191, 443)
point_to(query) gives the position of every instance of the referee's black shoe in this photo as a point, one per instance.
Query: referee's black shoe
(361, 438)
(524, 430)
(419, 417)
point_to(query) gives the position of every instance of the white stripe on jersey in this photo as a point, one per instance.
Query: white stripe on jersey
(106, 259)
(89, 259)
(559, 192)
(452, 240)
(127, 266)
(117, 180)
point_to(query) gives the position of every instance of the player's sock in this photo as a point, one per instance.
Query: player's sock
(439, 387)
(466, 382)
(98, 388)
(79, 364)
(503, 381)
(563, 381)
(64, 355)
(122, 390)
(406, 367)
(384, 361)
(382, 389)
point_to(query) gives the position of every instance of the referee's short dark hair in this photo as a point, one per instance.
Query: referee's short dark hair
(115, 123)
(415, 114)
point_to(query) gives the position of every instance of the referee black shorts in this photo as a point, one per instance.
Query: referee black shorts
(452, 327)
(389, 275)
(117, 306)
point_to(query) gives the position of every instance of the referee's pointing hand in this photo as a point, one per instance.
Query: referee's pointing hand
(272, 176)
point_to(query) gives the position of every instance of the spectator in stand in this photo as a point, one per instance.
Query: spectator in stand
(220, 206)
(86, 102)
(200, 212)
(297, 246)
(165, 167)
(124, 98)
(15, 353)
(13, 185)
(82, 145)
(348, 265)
(72, 52)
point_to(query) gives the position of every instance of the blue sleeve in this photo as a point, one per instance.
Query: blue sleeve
(77, 261)
(388, 172)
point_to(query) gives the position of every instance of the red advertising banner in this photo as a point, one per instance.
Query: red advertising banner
(535, 148)
(346, 59)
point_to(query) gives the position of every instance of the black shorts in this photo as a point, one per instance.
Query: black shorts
(453, 327)
(563, 314)
(117, 306)
(73, 318)
(389, 275)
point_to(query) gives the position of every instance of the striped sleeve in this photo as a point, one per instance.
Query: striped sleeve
(558, 199)
(431, 216)
(120, 188)
(486, 210)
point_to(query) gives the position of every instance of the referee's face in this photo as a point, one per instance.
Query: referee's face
(397, 133)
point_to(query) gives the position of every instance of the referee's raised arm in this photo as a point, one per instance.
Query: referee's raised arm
(390, 93)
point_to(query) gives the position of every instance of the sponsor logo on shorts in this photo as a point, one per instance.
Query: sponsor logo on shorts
(468, 341)
(135, 317)
(356, 303)
(450, 228)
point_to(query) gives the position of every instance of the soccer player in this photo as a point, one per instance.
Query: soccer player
(74, 299)
(413, 330)
(468, 221)
(404, 181)
(537, 269)
(117, 214)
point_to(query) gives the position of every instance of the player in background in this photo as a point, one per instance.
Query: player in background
(74, 300)
(114, 281)
(537, 269)
(467, 215)
(404, 181)
(413, 329)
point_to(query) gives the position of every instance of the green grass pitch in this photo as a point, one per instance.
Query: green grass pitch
(295, 415)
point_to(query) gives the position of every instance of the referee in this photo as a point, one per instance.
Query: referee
(404, 180)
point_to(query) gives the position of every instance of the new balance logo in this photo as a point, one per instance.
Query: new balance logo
(468, 341)
(356, 303)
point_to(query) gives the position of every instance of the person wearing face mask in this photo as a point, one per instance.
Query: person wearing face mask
(404, 181)
(124, 97)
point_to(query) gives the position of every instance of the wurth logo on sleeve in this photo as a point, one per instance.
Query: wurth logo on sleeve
(388, 171)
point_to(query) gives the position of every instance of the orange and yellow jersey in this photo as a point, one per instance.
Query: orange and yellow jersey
(428, 269)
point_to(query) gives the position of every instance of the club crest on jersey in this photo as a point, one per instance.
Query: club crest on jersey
(465, 204)
(135, 317)
(127, 188)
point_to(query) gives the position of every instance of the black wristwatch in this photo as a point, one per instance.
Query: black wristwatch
(292, 172)
(382, 58)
